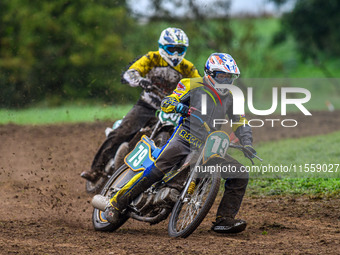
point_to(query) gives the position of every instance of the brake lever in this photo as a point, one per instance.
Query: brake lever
(191, 109)
(252, 161)
(204, 124)
(239, 147)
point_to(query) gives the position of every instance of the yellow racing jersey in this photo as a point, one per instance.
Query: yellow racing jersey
(153, 67)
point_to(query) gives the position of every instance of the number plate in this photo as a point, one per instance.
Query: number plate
(140, 157)
(216, 143)
(169, 118)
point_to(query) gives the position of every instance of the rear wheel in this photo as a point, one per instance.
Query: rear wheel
(97, 186)
(161, 138)
(188, 213)
(98, 218)
(114, 163)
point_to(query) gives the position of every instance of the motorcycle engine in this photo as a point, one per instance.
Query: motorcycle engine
(139, 202)
(165, 196)
(147, 201)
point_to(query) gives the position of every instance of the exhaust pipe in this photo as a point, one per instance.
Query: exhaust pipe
(100, 202)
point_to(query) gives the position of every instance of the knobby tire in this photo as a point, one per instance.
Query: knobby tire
(196, 221)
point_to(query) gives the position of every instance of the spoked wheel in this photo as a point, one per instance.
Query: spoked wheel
(97, 186)
(188, 214)
(161, 138)
(98, 218)
(114, 163)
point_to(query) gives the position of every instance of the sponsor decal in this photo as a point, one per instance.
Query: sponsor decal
(193, 140)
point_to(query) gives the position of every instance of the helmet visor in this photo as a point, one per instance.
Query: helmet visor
(172, 49)
(223, 77)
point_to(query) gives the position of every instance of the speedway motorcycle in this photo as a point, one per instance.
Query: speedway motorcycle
(184, 192)
(158, 129)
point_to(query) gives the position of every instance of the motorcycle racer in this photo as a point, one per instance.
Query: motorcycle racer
(163, 68)
(220, 68)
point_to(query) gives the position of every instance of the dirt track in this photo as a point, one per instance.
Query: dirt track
(46, 211)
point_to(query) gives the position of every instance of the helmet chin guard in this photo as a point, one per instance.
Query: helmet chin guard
(173, 60)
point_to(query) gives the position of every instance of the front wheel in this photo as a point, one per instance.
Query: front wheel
(188, 213)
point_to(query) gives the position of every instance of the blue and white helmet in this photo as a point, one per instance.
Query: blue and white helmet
(221, 68)
(173, 44)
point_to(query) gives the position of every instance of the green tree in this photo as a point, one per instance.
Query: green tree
(314, 24)
(61, 48)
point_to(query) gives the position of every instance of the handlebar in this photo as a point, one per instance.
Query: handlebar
(244, 149)
(239, 147)
(159, 92)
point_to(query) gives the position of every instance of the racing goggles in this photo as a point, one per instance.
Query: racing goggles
(172, 49)
(223, 77)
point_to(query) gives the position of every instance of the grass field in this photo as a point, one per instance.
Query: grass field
(316, 160)
(64, 114)
(313, 187)
(317, 167)
(304, 156)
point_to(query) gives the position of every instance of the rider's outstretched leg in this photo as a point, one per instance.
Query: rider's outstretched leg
(131, 190)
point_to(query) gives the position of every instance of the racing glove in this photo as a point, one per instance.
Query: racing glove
(182, 109)
(251, 149)
(145, 84)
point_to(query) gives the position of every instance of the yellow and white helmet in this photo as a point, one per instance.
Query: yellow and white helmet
(173, 44)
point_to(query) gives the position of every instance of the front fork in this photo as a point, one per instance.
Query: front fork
(155, 129)
(192, 177)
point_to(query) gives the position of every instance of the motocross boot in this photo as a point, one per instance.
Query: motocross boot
(228, 225)
(112, 214)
